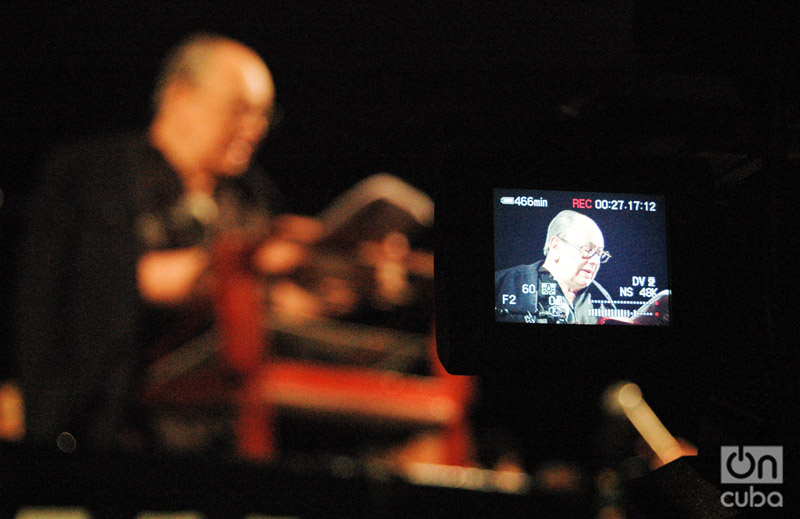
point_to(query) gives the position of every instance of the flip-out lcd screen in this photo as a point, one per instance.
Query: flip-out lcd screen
(568, 257)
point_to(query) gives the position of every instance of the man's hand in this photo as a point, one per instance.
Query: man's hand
(172, 277)
(288, 247)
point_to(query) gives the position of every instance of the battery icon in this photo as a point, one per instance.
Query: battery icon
(507, 200)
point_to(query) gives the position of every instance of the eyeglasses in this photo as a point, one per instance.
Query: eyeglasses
(588, 252)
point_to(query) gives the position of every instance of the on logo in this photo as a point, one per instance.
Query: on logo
(751, 464)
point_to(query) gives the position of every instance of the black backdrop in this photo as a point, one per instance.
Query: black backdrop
(413, 88)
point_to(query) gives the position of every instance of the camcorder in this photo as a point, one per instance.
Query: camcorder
(522, 275)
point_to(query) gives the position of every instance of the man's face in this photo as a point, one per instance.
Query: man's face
(574, 270)
(228, 111)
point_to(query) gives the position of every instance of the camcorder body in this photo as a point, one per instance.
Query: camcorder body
(498, 305)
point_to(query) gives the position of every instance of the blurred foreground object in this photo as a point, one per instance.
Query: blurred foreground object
(626, 398)
(623, 455)
(680, 490)
(12, 412)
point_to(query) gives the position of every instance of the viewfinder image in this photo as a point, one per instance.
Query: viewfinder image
(568, 257)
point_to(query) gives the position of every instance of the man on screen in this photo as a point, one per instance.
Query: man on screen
(556, 289)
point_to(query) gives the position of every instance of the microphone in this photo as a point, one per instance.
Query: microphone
(605, 294)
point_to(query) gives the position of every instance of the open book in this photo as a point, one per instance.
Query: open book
(376, 206)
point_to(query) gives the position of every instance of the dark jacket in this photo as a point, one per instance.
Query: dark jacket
(78, 314)
(529, 294)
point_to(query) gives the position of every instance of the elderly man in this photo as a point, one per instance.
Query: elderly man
(116, 257)
(556, 289)
(213, 102)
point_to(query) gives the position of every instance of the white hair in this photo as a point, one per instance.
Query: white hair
(186, 61)
(563, 223)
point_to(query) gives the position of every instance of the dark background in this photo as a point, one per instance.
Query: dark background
(460, 91)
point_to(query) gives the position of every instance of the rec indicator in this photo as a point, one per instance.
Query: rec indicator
(614, 205)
